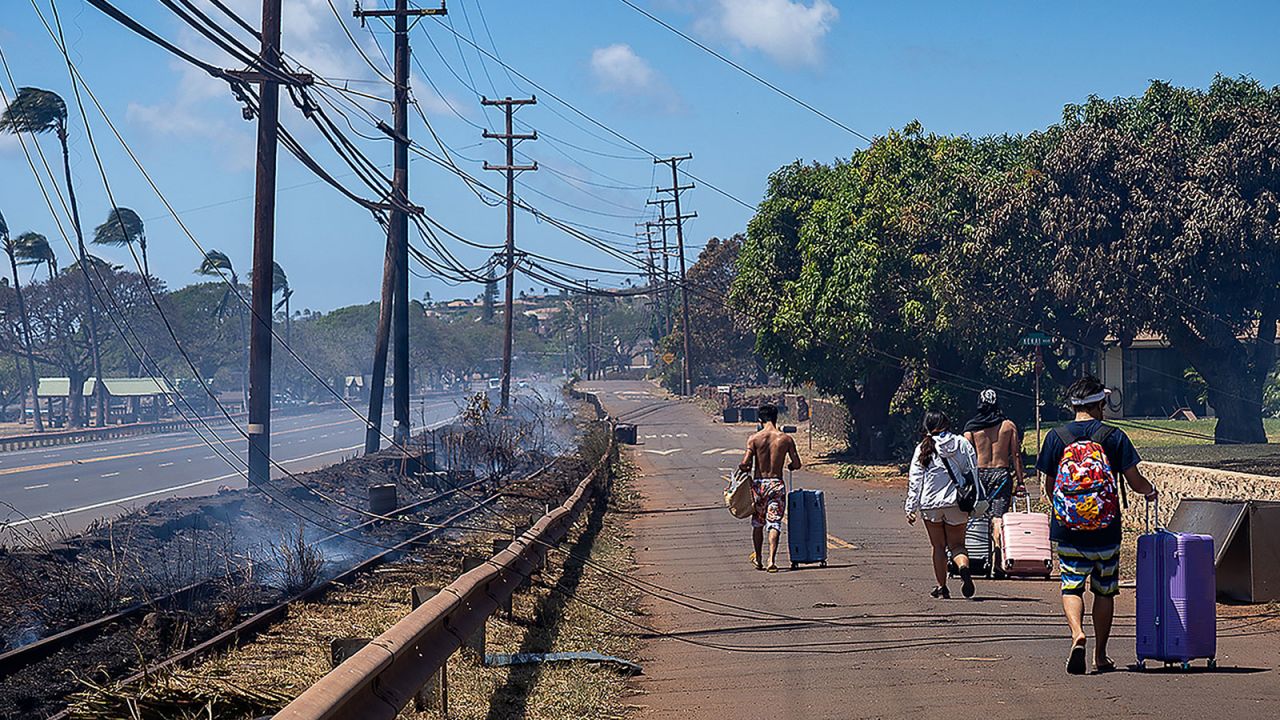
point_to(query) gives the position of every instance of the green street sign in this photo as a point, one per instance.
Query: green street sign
(1035, 339)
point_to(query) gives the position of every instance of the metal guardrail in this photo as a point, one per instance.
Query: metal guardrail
(114, 432)
(74, 437)
(384, 676)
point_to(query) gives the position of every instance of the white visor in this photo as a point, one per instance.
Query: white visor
(1094, 398)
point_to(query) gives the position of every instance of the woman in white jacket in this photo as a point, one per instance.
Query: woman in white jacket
(932, 492)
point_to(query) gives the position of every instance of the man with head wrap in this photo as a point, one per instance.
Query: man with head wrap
(998, 442)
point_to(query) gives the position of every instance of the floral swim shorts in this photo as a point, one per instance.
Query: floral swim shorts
(770, 495)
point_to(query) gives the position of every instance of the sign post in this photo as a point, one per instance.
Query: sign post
(1037, 340)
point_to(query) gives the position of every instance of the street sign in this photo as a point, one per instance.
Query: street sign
(668, 358)
(1035, 339)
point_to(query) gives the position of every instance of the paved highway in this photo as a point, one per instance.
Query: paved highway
(72, 485)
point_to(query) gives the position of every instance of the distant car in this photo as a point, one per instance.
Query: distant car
(495, 383)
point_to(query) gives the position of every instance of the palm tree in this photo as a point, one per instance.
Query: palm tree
(280, 286)
(11, 249)
(217, 264)
(34, 249)
(38, 111)
(123, 227)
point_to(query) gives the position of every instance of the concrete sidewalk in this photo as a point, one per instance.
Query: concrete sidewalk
(861, 637)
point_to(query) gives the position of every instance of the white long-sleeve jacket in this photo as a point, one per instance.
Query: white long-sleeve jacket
(930, 488)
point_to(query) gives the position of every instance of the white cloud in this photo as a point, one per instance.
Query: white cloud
(789, 31)
(619, 70)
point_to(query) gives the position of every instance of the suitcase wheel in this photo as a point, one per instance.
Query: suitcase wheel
(1213, 663)
(1186, 665)
(1142, 664)
(795, 565)
(822, 564)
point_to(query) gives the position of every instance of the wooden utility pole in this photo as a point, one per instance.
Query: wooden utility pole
(663, 222)
(261, 305)
(591, 353)
(686, 363)
(397, 243)
(645, 232)
(510, 138)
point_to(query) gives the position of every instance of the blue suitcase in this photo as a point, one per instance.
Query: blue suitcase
(806, 527)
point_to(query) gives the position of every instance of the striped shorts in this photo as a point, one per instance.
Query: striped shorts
(1100, 565)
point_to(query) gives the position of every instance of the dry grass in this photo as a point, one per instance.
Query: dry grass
(261, 676)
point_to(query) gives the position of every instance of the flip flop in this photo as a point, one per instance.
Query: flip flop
(1076, 661)
(1107, 665)
(755, 563)
(773, 568)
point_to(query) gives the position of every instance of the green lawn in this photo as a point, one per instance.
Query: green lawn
(1162, 433)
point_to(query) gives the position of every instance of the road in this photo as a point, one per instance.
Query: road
(861, 638)
(72, 485)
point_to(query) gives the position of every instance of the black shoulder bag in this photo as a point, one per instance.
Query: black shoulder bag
(966, 495)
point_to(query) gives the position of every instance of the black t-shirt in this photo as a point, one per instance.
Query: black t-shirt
(1121, 454)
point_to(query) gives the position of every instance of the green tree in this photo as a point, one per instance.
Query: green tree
(10, 245)
(722, 342)
(122, 228)
(1158, 213)
(842, 268)
(37, 111)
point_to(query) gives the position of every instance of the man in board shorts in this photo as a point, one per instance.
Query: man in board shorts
(1090, 556)
(767, 452)
(999, 446)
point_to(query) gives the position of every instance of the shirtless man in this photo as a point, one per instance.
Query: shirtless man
(768, 451)
(997, 440)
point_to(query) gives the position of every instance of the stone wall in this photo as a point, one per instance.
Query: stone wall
(1180, 481)
(829, 419)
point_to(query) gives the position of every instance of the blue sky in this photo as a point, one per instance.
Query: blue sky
(975, 68)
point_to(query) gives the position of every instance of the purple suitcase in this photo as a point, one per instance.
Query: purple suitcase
(1176, 598)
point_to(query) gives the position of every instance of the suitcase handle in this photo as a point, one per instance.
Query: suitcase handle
(1147, 520)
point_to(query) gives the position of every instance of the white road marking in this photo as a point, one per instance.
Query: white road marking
(106, 475)
(712, 451)
(666, 435)
(208, 457)
(165, 464)
(664, 453)
(117, 501)
(732, 452)
(36, 487)
(682, 434)
(650, 437)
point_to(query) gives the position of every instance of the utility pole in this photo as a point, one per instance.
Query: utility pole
(264, 237)
(397, 240)
(663, 222)
(510, 138)
(686, 369)
(645, 231)
(591, 354)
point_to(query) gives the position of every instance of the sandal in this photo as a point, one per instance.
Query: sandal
(941, 592)
(755, 563)
(1107, 665)
(773, 568)
(1076, 662)
(966, 582)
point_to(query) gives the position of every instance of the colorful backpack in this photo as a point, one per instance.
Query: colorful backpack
(1085, 495)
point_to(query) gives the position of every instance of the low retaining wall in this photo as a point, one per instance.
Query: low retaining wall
(829, 419)
(1176, 482)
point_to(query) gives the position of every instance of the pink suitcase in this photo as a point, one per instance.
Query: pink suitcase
(1024, 544)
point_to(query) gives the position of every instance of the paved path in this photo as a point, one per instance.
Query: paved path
(77, 483)
(888, 649)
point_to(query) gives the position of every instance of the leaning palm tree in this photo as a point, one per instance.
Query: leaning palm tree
(34, 249)
(280, 286)
(11, 249)
(217, 264)
(123, 227)
(39, 111)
